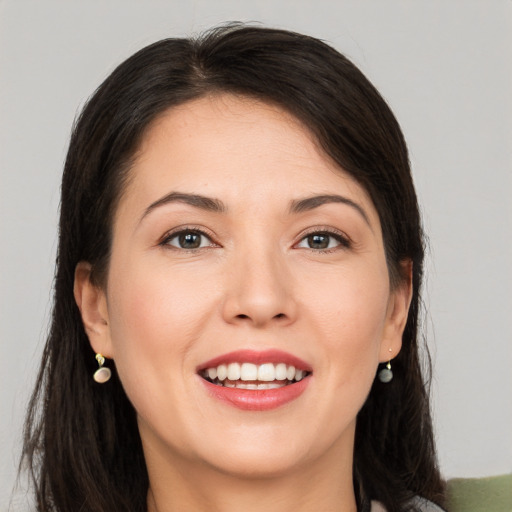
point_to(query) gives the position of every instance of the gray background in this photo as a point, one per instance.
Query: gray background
(446, 69)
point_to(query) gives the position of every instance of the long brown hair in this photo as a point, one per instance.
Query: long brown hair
(81, 440)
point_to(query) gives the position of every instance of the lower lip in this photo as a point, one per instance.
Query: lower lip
(257, 399)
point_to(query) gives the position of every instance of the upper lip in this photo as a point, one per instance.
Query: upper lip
(257, 357)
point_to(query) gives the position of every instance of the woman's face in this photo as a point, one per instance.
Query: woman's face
(238, 248)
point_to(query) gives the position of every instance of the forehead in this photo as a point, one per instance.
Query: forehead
(235, 148)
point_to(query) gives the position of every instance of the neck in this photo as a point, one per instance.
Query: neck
(323, 484)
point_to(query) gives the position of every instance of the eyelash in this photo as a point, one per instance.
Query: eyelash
(183, 231)
(343, 241)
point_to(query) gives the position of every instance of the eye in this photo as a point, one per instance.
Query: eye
(323, 240)
(188, 239)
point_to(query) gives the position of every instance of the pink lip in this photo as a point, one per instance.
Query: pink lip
(257, 399)
(257, 357)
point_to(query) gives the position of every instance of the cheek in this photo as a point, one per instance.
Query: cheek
(154, 317)
(350, 316)
(352, 302)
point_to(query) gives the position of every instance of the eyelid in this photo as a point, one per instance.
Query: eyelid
(172, 233)
(344, 240)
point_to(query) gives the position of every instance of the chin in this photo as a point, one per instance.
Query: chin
(263, 453)
(260, 464)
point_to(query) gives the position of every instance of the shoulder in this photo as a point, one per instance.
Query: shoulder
(425, 505)
(419, 504)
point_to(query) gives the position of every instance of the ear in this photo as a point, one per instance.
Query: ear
(92, 303)
(397, 313)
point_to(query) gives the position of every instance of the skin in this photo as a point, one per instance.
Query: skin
(254, 283)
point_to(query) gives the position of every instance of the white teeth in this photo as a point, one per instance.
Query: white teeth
(266, 372)
(243, 385)
(249, 371)
(222, 372)
(240, 373)
(270, 385)
(233, 371)
(281, 371)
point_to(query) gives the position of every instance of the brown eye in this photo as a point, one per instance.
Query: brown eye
(188, 240)
(322, 241)
(318, 241)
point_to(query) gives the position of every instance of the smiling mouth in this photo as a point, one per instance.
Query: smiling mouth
(253, 377)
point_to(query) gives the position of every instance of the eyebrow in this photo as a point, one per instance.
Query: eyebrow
(198, 201)
(217, 206)
(309, 203)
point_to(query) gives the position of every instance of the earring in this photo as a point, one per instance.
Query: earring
(386, 375)
(102, 374)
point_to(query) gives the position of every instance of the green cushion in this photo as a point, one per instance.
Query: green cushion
(491, 494)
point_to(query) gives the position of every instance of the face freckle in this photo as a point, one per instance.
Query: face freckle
(292, 261)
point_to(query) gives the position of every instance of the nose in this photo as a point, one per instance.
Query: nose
(259, 290)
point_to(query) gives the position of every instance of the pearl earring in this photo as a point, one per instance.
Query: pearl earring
(102, 374)
(386, 375)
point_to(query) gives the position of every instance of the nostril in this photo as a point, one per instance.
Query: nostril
(243, 317)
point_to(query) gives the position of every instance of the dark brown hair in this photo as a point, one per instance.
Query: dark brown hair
(81, 439)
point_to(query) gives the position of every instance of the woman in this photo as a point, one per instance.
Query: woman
(239, 267)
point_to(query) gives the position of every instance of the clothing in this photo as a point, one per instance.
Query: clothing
(421, 504)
